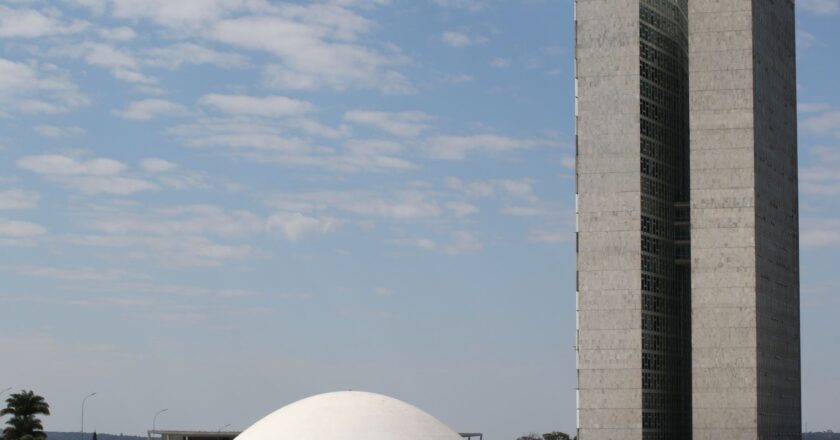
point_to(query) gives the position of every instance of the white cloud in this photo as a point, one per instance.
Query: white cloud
(294, 226)
(459, 39)
(472, 5)
(383, 291)
(403, 124)
(148, 109)
(521, 189)
(820, 7)
(269, 106)
(289, 143)
(398, 205)
(820, 233)
(822, 178)
(568, 162)
(812, 107)
(155, 165)
(19, 229)
(317, 46)
(18, 199)
(500, 63)
(826, 123)
(805, 39)
(53, 131)
(551, 236)
(33, 88)
(175, 55)
(122, 33)
(458, 242)
(123, 65)
(76, 274)
(460, 147)
(181, 14)
(29, 23)
(91, 176)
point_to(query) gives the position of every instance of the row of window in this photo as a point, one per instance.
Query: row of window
(661, 381)
(658, 77)
(658, 304)
(658, 266)
(667, 344)
(662, 324)
(662, 286)
(657, 151)
(671, 10)
(661, 97)
(671, 31)
(658, 133)
(654, 169)
(658, 39)
(654, 208)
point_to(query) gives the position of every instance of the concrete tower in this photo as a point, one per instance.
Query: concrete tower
(688, 291)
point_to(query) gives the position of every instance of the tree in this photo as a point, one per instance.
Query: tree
(532, 436)
(24, 408)
(556, 435)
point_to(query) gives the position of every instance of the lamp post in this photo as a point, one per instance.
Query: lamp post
(154, 419)
(83, 413)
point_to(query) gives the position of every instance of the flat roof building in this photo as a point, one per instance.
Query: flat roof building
(687, 220)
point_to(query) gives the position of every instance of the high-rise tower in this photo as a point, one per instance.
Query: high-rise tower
(688, 289)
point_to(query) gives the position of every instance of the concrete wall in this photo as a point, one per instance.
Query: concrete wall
(609, 203)
(724, 361)
(745, 315)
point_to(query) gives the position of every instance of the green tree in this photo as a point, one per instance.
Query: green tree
(24, 408)
(556, 435)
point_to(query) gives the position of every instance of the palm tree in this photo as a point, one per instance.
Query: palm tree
(24, 407)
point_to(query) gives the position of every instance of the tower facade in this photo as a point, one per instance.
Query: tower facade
(688, 288)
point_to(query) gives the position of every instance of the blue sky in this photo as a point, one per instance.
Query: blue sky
(221, 206)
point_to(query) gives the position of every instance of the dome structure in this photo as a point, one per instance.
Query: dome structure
(349, 415)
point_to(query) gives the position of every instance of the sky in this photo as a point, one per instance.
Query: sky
(219, 207)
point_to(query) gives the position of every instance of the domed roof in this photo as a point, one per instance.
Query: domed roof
(349, 415)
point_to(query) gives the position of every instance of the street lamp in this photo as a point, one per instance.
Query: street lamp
(154, 419)
(83, 413)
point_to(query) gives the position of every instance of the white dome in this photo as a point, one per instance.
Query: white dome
(349, 415)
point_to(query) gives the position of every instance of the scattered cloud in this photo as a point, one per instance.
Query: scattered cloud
(383, 291)
(19, 229)
(820, 7)
(501, 63)
(174, 56)
(30, 23)
(295, 226)
(472, 5)
(402, 124)
(449, 147)
(36, 88)
(53, 131)
(459, 39)
(805, 39)
(820, 233)
(458, 242)
(121, 34)
(149, 109)
(824, 123)
(812, 107)
(91, 176)
(18, 199)
(269, 106)
(155, 165)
